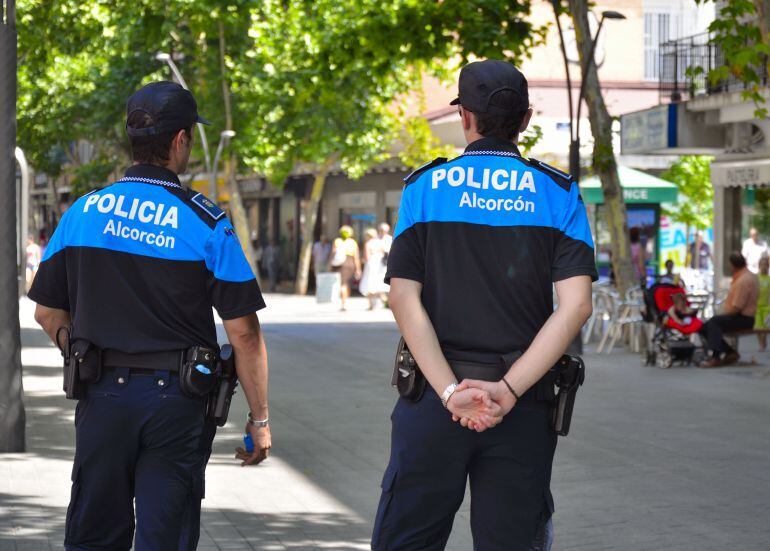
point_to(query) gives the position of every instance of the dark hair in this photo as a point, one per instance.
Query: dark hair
(671, 262)
(737, 260)
(633, 235)
(500, 122)
(153, 149)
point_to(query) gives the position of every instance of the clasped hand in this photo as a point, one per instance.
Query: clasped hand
(480, 405)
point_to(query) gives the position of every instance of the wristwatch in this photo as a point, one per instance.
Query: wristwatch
(447, 394)
(257, 422)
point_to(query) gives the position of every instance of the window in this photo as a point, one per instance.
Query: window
(657, 29)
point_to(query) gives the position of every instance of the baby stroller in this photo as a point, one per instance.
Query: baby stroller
(671, 340)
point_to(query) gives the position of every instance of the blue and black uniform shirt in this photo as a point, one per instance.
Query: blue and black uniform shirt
(140, 263)
(487, 234)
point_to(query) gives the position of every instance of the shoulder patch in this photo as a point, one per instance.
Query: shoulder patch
(560, 177)
(427, 166)
(208, 206)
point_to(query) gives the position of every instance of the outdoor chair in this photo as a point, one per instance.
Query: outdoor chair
(626, 315)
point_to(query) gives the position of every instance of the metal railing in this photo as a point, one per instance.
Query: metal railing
(685, 65)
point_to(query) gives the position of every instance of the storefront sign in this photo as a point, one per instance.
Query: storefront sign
(633, 195)
(649, 130)
(751, 172)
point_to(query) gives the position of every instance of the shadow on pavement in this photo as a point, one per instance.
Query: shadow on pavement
(29, 523)
(295, 531)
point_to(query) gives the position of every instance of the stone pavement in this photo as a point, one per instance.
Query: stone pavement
(657, 459)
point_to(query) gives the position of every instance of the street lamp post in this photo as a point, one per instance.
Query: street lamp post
(224, 137)
(576, 347)
(166, 58)
(574, 122)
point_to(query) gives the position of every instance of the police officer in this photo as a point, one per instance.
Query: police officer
(133, 271)
(480, 241)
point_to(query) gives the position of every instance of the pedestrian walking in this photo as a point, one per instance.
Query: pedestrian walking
(322, 249)
(763, 301)
(753, 249)
(700, 253)
(271, 261)
(132, 273)
(33, 254)
(480, 241)
(346, 260)
(372, 284)
(638, 254)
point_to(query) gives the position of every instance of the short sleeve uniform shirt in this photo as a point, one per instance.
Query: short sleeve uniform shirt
(140, 263)
(487, 234)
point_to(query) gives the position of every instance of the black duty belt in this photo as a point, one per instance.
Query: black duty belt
(155, 361)
(543, 390)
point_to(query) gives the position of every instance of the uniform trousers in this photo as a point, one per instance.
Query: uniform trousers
(138, 439)
(432, 457)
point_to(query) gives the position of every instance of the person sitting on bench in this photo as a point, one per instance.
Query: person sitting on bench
(737, 313)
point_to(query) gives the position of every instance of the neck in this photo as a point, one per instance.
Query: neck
(472, 136)
(168, 166)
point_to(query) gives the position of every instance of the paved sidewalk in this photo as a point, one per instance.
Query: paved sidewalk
(657, 459)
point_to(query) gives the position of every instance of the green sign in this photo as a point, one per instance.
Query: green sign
(637, 187)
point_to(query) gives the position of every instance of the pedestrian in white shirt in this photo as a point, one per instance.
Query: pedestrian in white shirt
(753, 250)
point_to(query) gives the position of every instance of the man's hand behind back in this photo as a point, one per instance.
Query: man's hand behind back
(475, 408)
(501, 399)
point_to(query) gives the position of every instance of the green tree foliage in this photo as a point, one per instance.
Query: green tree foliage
(315, 84)
(741, 32)
(692, 176)
(80, 60)
(322, 76)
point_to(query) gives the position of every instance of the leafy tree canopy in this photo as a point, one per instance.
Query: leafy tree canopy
(692, 176)
(310, 78)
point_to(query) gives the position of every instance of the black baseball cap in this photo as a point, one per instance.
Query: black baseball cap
(170, 106)
(480, 81)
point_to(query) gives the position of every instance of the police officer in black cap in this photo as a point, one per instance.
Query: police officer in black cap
(480, 243)
(126, 288)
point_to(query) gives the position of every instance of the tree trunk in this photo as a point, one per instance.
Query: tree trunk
(604, 162)
(239, 216)
(311, 216)
(12, 419)
(238, 213)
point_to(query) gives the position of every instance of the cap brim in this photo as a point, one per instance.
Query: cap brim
(202, 120)
(455, 101)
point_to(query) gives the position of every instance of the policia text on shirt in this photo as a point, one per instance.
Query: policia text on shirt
(481, 241)
(126, 289)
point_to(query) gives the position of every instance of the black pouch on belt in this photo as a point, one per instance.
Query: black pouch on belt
(88, 359)
(570, 374)
(197, 374)
(73, 388)
(407, 377)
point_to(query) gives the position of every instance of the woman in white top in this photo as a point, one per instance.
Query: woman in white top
(372, 283)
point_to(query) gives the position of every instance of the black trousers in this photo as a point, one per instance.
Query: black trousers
(714, 329)
(141, 445)
(431, 460)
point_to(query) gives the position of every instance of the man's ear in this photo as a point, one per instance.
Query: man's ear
(466, 117)
(180, 140)
(525, 121)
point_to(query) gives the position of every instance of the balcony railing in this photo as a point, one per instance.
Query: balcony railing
(685, 65)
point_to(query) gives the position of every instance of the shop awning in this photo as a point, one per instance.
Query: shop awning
(743, 173)
(638, 187)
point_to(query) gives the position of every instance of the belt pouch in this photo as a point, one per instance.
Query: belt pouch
(87, 360)
(197, 375)
(407, 377)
